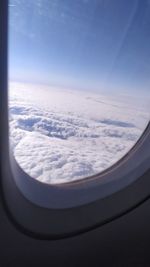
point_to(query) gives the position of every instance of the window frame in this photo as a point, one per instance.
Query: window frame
(72, 208)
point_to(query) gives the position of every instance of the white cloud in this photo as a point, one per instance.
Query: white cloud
(62, 135)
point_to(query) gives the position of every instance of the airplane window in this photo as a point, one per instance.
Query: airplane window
(79, 78)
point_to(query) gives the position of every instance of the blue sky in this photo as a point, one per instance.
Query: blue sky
(83, 44)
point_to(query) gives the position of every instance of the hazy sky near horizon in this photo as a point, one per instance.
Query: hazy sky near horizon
(87, 44)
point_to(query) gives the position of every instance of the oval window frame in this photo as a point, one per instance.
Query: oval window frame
(66, 217)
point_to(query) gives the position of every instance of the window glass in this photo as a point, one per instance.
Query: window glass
(79, 81)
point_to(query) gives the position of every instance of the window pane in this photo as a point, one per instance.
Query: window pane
(79, 77)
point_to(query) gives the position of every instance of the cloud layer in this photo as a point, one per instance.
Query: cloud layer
(62, 135)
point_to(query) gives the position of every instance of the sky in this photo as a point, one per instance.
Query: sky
(82, 44)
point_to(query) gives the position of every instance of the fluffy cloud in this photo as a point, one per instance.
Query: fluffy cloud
(62, 135)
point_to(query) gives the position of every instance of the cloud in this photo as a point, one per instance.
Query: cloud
(61, 135)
